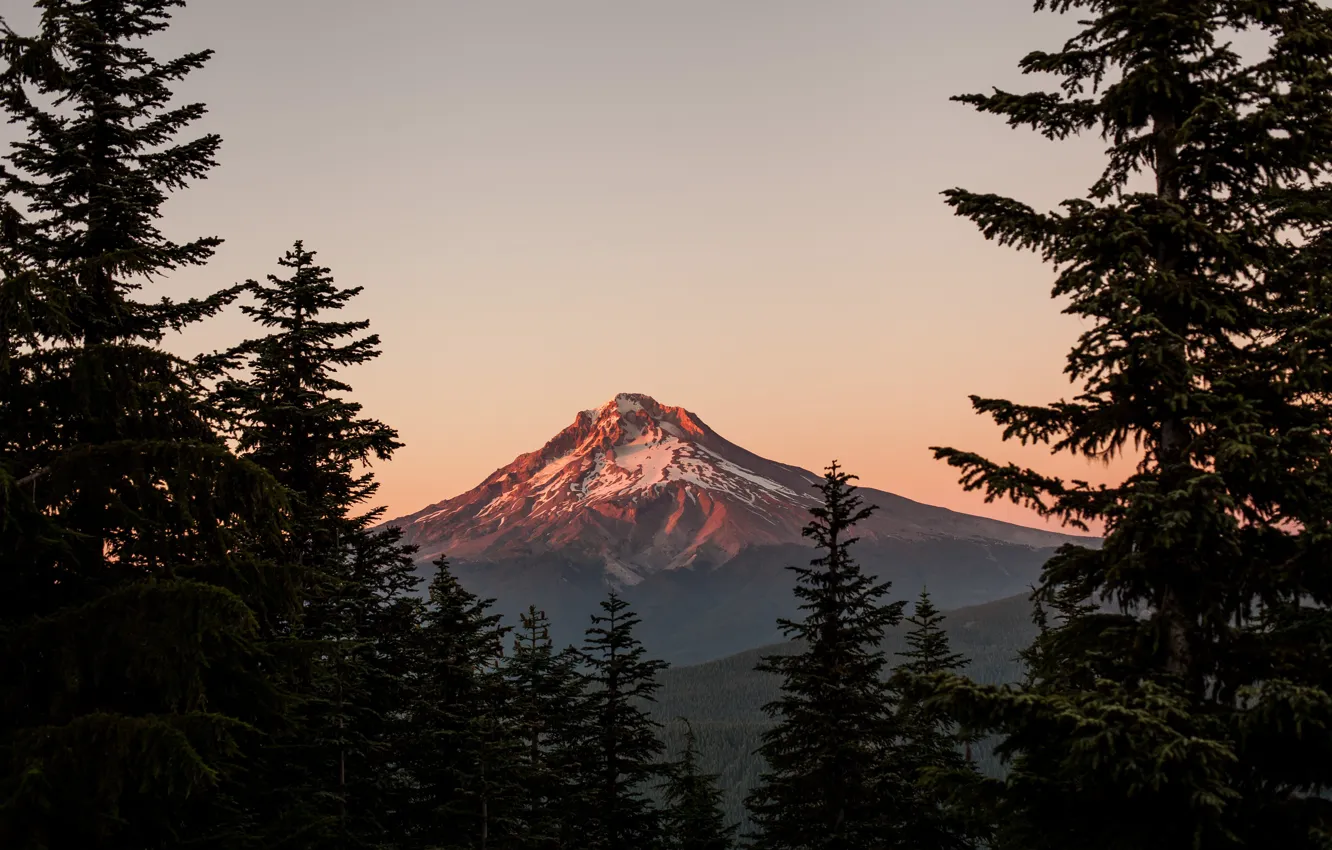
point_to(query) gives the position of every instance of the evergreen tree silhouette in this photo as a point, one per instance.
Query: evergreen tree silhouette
(547, 690)
(463, 762)
(693, 818)
(619, 762)
(1183, 717)
(830, 780)
(291, 416)
(931, 746)
(134, 603)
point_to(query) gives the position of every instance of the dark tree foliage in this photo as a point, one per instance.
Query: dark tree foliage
(693, 818)
(1197, 716)
(829, 781)
(353, 640)
(724, 699)
(1044, 663)
(463, 759)
(375, 789)
(931, 744)
(547, 693)
(133, 678)
(293, 417)
(621, 750)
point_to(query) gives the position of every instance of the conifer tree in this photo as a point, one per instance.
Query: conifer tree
(134, 680)
(830, 782)
(1045, 662)
(292, 417)
(931, 744)
(464, 759)
(1184, 719)
(383, 567)
(547, 692)
(693, 818)
(620, 762)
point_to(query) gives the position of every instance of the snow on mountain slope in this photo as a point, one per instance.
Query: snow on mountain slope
(646, 487)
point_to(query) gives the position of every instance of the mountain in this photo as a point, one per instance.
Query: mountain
(694, 530)
(643, 486)
(648, 487)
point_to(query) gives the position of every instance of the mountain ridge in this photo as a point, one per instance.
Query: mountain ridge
(651, 487)
(695, 532)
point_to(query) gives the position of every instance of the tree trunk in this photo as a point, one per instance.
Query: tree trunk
(1174, 431)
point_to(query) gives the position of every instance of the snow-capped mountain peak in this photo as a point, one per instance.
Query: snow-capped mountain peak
(632, 445)
(627, 467)
(643, 487)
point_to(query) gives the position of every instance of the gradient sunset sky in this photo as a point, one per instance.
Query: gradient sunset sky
(730, 205)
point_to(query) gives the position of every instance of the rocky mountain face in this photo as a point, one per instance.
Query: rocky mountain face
(694, 529)
(648, 487)
(643, 486)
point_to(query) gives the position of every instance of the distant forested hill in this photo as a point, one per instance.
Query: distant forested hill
(723, 699)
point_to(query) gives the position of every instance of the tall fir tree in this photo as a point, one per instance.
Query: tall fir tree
(1184, 719)
(693, 817)
(292, 417)
(621, 758)
(464, 762)
(547, 693)
(388, 623)
(931, 743)
(134, 680)
(830, 782)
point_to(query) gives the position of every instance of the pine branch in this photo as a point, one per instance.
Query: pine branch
(32, 477)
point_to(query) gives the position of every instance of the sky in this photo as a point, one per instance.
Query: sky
(733, 207)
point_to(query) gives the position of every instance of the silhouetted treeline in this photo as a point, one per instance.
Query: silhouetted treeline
(724, 699)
